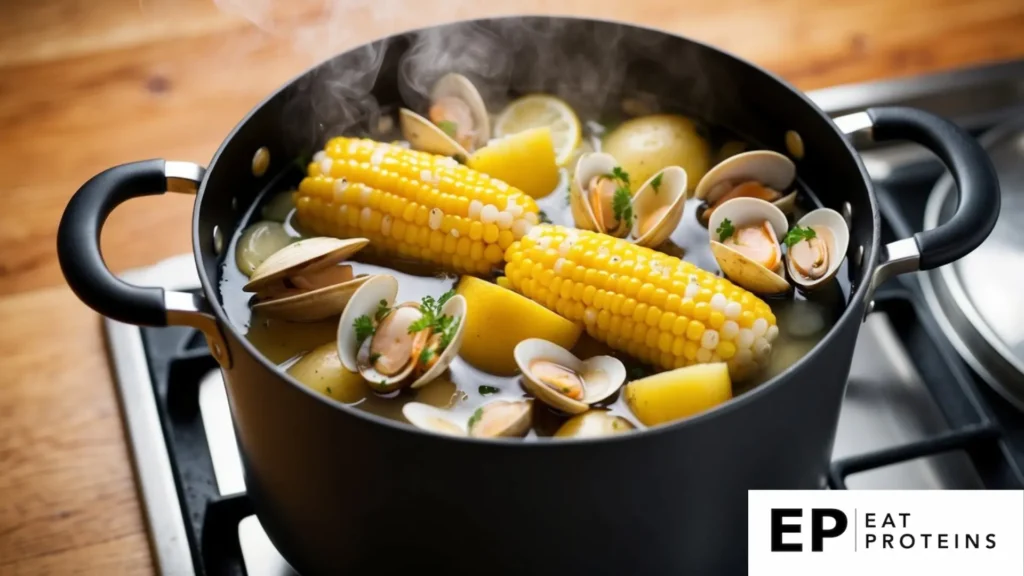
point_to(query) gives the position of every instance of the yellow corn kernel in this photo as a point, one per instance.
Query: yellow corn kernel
(400, 199)
(654, 307)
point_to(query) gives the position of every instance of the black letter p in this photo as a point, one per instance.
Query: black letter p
(818, 532)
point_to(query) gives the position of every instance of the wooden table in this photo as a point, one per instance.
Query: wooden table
(86, 84)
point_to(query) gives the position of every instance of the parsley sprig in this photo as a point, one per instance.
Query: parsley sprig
(656, 183)
(364, 328)
(436, 322)
(476, 417)
(797, 234)
(725, 230)
(622, 201)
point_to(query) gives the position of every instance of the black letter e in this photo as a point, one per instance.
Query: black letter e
(778, 529)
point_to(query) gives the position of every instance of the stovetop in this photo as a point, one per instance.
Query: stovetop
(914, 417)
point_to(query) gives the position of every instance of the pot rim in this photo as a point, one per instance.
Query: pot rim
(852, 313)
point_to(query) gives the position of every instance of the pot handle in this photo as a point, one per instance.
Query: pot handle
(976, 182)
(78, 250)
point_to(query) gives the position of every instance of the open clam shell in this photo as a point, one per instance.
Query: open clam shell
(739, 268)
(454, 85)
(425, 136)
(831, 228)
(358, 356)
(770, 169)
(601, 376)
(589, 166)
(434, 419)
(303, 282)
(658, 209)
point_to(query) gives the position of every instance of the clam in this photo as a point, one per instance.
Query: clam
(457, 122)
(646, 218)
(816, 248)
(303, 282)
(501, 418)
(759, 174)
(376, 336)
(563, 381)
(744, 234)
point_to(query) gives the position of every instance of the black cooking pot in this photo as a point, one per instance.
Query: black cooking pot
(342, 491)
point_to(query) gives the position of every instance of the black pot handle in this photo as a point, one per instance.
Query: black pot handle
(976, 182)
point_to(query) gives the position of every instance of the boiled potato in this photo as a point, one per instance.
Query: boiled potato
(679, 393)
(322, 371)
(594, 424)
(505, 158)
(645, 145)
(497, 319)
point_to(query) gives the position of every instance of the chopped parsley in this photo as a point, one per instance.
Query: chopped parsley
(374, 357)
(382, 310)
(431, 312)
(544, 217)
(448, 127)
(725, 230)
(328, 389)
(619, 174)
(797, 234)
(425, 355)
(485, 390)
(476, 417)
(364, 328)
(622, 205)
(656, 183)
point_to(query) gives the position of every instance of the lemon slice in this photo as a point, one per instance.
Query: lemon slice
(539, 110)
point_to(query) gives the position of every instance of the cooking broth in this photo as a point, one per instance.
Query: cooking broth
(802, 319)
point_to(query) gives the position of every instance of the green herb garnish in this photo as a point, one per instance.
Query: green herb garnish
(619, 174)
(544, 217)
(431, 312)
(374, 357)
(448, 127)
(797, 234)
(622, 205)
(485, 390)
(476, 417)
(382, 310)
(328, 389)
(656, 183)
(725, 230)
(425, 355)
(364, 328)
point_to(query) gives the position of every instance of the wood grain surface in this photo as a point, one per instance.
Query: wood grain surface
(87, 84)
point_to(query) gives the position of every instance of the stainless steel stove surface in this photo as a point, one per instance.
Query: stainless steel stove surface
(914, 416)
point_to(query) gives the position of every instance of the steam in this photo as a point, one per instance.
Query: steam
(504, 57)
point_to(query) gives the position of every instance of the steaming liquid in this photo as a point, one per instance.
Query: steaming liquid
(802, 322)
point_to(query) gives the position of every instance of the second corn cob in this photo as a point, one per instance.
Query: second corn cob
(655, 307)
(412, 204)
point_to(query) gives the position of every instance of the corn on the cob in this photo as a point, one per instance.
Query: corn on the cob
(412, 204)
(657, 308)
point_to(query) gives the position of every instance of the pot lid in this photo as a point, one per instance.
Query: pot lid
(978, 299)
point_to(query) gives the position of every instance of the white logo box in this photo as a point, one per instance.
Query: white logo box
(899, 532)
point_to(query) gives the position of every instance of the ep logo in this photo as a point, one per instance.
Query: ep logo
(824, 523)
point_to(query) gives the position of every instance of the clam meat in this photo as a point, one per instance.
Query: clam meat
(561, 380)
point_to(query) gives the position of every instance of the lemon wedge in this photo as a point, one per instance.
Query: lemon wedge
(505, 157)
(537, 110)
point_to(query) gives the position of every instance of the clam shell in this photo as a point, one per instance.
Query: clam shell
(458, 86)
(501, 418)
(427, 417)
(302, 257)
(594, 424)
(589, 165)
(424, 135)
(736, 266)
(769, 168)
(314, 305)
(837, 246)
(364, 301)
(456, 308)
(602, 375)
(671, 193)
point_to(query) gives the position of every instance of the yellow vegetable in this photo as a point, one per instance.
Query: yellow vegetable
(322, 371)
(525, 160)
(679, 393)
(497, 319)
(412, 204)
(655, 307)
(645, 145)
